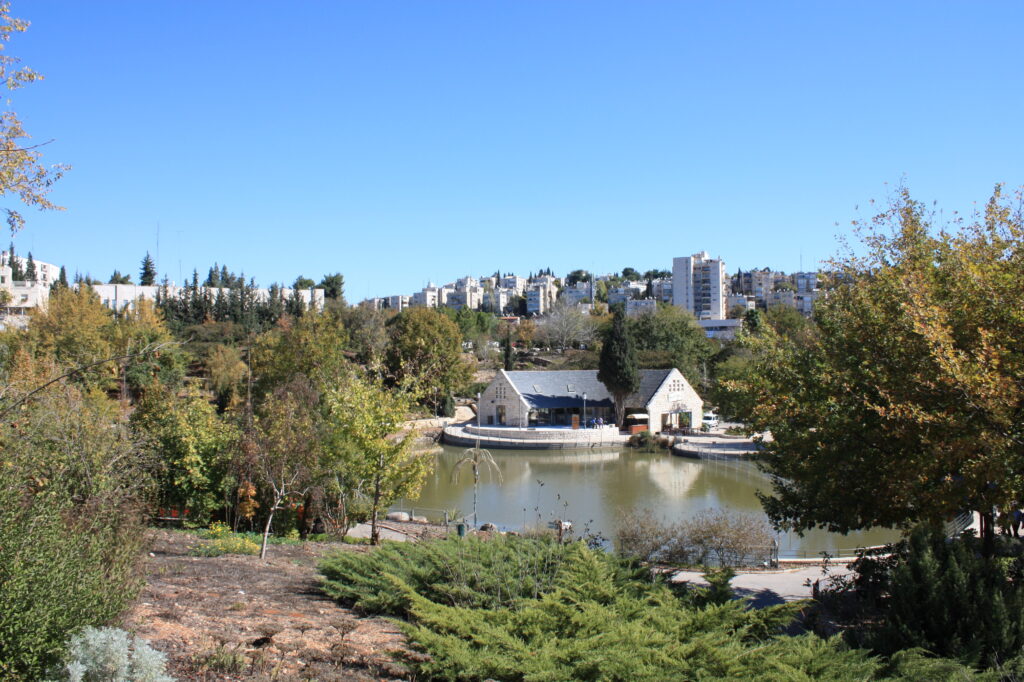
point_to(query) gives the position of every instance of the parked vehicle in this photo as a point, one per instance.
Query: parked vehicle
(710, 420)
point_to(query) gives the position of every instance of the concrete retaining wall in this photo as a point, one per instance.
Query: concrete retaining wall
(533, 439)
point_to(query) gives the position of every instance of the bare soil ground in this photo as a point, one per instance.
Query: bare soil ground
(238, 618)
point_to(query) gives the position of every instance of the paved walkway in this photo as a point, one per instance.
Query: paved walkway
(765, 588)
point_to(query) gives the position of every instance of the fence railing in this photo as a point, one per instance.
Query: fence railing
(840, 553)
(959, 523)
(441, 516)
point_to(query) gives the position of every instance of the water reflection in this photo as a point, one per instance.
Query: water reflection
(592, 488)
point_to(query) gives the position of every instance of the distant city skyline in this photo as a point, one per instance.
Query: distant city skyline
(418, 142)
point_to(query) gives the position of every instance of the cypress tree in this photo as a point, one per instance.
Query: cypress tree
(509, 357)
(30, 269)
(617, 368)
(147, 275)
(16, 273)
(62, 281)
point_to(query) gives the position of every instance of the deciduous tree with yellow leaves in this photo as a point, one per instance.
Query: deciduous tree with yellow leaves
(21, 173)
(908, 405)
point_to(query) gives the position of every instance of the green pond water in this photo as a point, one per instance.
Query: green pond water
(590, 488)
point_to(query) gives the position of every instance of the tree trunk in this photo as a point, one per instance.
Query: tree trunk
(988, 535)
(266, 527)
(476, 482)
(374, 530)
(307, 516)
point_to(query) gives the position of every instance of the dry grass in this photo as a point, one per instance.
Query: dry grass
(237, 618)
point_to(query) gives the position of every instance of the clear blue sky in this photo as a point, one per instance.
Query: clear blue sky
(401, 142)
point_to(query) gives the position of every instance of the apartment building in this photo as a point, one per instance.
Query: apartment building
(806, 282)
(20, 298)
(699, 285)
(517, 285)
(661, 290)
(398, 302)
(46, 273)
(580, 292)
(539, 298)
(640, 306)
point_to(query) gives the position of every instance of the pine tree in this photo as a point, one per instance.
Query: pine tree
(147, 275)
(213, 277)
(334, 287)
(30, 269)
(295, 305)
(618, 365)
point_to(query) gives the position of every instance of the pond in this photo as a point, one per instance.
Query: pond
(591, 488)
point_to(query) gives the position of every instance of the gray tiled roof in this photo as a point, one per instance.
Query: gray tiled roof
(565, 388)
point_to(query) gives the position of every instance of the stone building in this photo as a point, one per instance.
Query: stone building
(550, 399)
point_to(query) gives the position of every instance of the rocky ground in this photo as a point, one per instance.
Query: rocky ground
(238, 618)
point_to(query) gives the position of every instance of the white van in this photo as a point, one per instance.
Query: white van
(710, 420)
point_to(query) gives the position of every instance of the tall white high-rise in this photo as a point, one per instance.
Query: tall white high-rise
(699, 285)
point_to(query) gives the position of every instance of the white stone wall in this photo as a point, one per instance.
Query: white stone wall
(675, 393)
(501, 392)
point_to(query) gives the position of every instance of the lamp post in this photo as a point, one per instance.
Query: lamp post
(585, 410)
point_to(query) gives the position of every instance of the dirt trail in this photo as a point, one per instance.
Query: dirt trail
(237, 618)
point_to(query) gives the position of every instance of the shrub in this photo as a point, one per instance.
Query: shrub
(727, 538)
(218, 529)
(471, 389)
(945, 597)
(447, 407)
(596, 622)
(111, 655)
(641, 535)
(232, 544)
(223, 659)
(717, 538)
(352, 540)
(471, 572)
(71, 528)
(594, 617)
